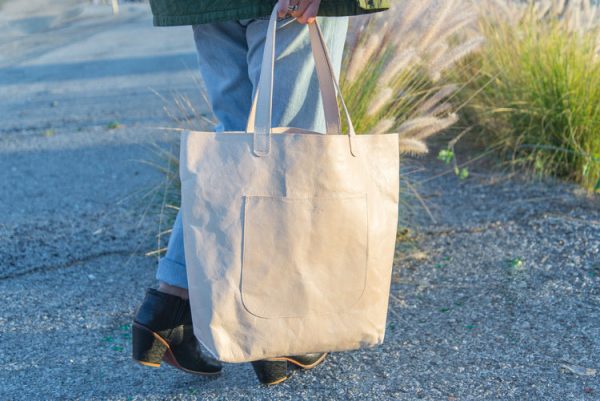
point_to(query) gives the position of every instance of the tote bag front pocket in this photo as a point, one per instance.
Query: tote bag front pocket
(303, 256)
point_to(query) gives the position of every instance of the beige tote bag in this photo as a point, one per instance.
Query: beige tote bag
(289, 234)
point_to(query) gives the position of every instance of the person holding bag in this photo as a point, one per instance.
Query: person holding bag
(231, 40)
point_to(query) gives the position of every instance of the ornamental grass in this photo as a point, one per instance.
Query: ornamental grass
(393, 73)
(537, 92)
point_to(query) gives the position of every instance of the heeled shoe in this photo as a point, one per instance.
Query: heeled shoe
(277, 370)
(162, 331)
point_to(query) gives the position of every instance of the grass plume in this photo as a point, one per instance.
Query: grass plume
(401, 85)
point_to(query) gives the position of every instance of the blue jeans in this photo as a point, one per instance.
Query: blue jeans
(230, 55)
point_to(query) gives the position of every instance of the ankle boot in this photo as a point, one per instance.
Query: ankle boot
(162, 331)
(277, 370)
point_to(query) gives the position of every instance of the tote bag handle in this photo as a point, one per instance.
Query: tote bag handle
(259, 121)
(328, 94)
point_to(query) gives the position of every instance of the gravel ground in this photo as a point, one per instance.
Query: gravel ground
(495, 296)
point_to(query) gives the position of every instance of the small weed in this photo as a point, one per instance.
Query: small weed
(405, 241)
(48, 133)
(113, 125)
(443, 264)
(516, 263)
(462, 173)
(446, 155)
(125, 330)
(120, 339)
(404, 234)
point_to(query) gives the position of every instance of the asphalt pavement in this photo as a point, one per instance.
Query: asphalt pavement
(495, 294)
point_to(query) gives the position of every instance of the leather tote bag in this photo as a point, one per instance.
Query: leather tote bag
(289, 235)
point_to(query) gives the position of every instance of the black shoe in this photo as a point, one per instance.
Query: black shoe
(275, 370)
(162, 331)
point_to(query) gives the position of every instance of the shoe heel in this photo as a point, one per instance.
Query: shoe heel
(270, 372)
(147, 348)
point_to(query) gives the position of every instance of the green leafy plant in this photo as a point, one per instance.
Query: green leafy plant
(448, 156)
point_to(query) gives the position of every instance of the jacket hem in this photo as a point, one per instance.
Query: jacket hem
(328, 9)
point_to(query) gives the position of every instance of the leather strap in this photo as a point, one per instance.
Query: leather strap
(259, 120)
(322, 61)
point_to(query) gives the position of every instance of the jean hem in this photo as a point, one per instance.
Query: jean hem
(172, 273)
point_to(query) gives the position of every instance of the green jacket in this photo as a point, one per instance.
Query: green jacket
(190, 12)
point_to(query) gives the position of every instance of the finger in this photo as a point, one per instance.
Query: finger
(310, 14)
(283, 8)
(302, 6)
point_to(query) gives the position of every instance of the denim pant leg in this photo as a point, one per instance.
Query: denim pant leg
(222, 52)
(230, 55)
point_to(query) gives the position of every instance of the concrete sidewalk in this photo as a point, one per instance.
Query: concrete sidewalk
(497, 299)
